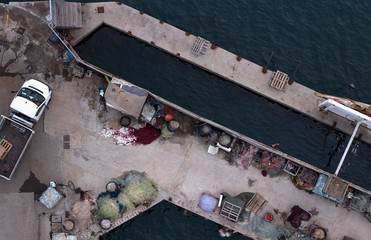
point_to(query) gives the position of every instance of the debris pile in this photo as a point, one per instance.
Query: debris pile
(242, 154)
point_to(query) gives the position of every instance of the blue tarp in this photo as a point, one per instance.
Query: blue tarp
(208, 202)
(50, 197)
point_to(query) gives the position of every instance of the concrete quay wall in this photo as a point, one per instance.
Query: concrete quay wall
(217, 61)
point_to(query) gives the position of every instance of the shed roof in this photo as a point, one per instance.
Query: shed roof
(125, 97)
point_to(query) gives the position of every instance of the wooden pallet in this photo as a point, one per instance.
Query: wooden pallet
(255, 203)
(279, 80)
(5, 147)
(199, 46)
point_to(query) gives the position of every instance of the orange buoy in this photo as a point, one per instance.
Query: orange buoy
(168, 117)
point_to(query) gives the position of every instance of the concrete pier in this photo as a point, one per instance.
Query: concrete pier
(181, 166)
(215, 60)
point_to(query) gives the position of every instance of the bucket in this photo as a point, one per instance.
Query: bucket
(105, 224)
(68, 225)
(173, 125)
(166, 133)
(53, 38)
(112, 187)
(67, 55)
(125, 121)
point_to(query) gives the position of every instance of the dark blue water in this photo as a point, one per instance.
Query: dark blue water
(167, 221)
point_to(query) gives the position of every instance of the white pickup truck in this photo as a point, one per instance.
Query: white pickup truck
(16, 131)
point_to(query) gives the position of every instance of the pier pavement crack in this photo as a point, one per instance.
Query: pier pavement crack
(183, 170)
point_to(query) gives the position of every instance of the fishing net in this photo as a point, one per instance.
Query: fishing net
(264, 229)
(270, 162)
(109, 208)
(140, 191)
(125, 200)
(131, 177)
(146, 135)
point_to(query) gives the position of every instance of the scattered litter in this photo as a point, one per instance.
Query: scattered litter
(124, 136)
(148, 112)
(242, 154)
(212, 150)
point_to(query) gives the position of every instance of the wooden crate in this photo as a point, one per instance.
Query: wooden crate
(5, 147)
(255, 203)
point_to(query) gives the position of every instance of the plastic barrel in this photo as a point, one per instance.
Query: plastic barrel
(203, 130)
(53, 38)
(225, 140)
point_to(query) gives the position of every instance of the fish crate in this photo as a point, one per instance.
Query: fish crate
(292, 168)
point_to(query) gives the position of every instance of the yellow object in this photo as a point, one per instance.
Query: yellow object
(7, 18)
(107, 79)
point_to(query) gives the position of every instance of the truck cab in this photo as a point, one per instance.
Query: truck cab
(31, 101)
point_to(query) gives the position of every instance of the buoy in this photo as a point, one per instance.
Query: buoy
(168, 117)
(268, 217)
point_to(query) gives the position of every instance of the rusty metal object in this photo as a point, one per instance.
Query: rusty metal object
(187, 34)
(118, 3)
(360, 136)
(141, 13)
(213, 46)
(161, 22)
(178, 54)
(100, 9)
(129, 32)
(153, 43)
(238, 58)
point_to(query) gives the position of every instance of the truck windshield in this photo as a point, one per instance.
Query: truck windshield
(32, 95)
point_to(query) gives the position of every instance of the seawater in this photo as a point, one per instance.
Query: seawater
(167, 221)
